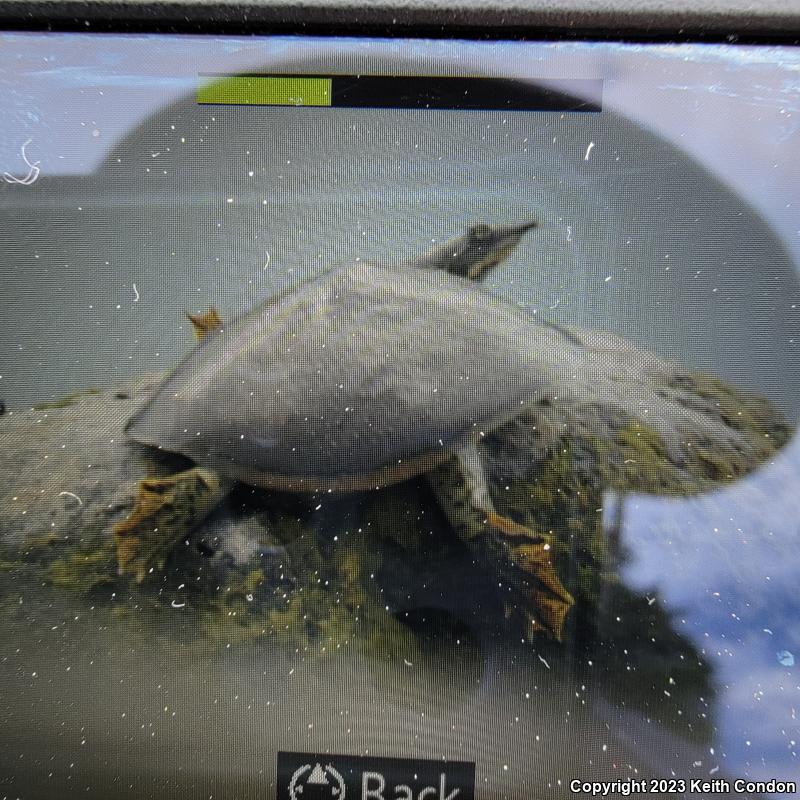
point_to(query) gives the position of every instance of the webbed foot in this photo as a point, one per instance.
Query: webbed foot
(165, 511)
(206, 323)
(545, 602)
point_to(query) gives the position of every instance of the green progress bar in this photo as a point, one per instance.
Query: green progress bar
(264, 91)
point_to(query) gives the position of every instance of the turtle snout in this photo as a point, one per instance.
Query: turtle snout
(513, 233)
(527, 226)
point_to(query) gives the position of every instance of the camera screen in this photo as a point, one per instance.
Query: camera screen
(394, 419)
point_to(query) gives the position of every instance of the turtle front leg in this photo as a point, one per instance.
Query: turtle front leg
(165, 511)
(523, 555)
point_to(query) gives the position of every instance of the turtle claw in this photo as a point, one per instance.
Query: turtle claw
(549, 617)
(543, 602)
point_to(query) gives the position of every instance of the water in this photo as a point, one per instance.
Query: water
(222, 206)
(130, 720)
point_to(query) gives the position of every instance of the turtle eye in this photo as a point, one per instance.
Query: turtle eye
(481, 231)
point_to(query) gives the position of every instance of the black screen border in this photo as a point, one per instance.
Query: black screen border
(731, 21)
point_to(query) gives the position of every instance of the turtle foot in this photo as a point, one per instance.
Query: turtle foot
(545, 602)
(540, 597)
(206, 323)
(165, 510)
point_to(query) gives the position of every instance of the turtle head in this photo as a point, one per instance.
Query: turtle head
(479, 250)
(488, 245)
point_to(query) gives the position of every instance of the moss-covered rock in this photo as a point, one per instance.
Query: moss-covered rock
(264, 566)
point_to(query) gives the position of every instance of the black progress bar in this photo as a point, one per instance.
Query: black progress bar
(402, 92)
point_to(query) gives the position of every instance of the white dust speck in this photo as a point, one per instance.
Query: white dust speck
(136, 292)
(588, 150)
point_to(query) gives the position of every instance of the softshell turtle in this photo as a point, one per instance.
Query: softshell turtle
(369, 374)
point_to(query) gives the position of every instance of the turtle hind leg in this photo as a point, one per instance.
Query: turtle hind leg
(522, 556)
(165, 511)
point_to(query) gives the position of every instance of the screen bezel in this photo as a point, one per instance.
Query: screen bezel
(732, 22)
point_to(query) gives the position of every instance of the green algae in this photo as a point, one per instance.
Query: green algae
(751, 415)
(83, 570)
(321, 600)
(79, 564)
(67, 400)
(45, 542)
(744, 411)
